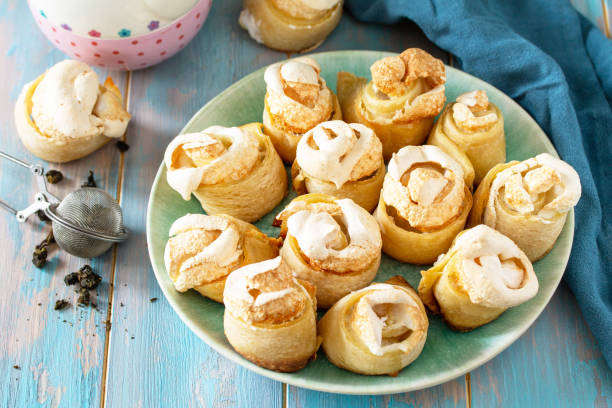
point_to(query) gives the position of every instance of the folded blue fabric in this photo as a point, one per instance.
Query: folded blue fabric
(558, 66)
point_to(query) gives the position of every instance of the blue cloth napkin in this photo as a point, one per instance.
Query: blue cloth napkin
(558, 66)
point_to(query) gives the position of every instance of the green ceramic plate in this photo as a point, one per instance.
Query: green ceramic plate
(447, 354)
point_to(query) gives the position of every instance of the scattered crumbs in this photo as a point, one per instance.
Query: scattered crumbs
(39, 304)
(54, 176)
(16, 367)
(83, 299)
(61, 304)
(153, 299)
(71, 278)
(122, 146)
(121, 304)
(108, 324)
(91, 182)
(132, 337)
(125, 285)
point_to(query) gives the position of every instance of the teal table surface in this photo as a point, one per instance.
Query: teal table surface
(133, 351)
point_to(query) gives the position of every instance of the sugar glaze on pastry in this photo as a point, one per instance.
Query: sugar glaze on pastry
(483, 274)
(66, 113)
(340, 159)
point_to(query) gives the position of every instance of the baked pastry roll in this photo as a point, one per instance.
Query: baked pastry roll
(471, 131)
(66, 114)
(528, 201)
(204, 249)
(423, 205)
(379, 329)
(297, 99)
(342, 160)
(290, 25)
(233, 171)
(270, 317)
(400, 102)
(483, 274)
(332, 243)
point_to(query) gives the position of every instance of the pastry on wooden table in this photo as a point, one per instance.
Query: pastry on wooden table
(342, 160)
(204, 249)
(66, 114)
(270, 316)
(332, 243)
(483, 274)
(471, 130)
(528, 201)
(379, 329)
(297, 99)
(423, 205)
(233, 171)
(400, 102)
(290, 25)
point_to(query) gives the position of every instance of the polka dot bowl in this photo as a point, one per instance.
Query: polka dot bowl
(128, 53)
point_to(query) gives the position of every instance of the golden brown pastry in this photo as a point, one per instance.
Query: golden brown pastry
(471, 131)
(332, 243)
(297, 99)
(483, 274)
(342, 160)
(233, 171)
(66, 114)
(379, 329)
(423, 205)
(290, 25)
(204, 249)
(528, 201)
(402, 100)
(270, 317)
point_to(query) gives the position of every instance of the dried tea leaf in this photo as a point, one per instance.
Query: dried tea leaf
(91, 182)
(54, 176)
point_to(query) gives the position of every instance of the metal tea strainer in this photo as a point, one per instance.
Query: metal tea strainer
(85, 223)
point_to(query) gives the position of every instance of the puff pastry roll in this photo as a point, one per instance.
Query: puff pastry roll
(340, 159)
(233, 171)
(270, 317)
(332, 243)
(424, 204)
(204, 249)
(528, 201)
(297, 99)
(471, 130)
(379, 329)
(290, 25)
(66, 114)
(402, 100)
(483, 274)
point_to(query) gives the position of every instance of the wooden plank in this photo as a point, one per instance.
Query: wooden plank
(556, 363)
(59, 354)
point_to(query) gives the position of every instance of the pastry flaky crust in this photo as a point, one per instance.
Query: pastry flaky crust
(270, 317)
(332, 243)
(297, 99)
(204, 249)
(290, 25)
(528, 201)
(482, 275)
(233, 171)
(402, 100)
(471, 130)
(342, 160)
(66, 114)
(424, 204)
(377, 330)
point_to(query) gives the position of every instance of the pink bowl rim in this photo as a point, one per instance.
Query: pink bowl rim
(131, 38)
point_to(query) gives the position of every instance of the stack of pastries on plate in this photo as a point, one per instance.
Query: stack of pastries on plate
(351, 208)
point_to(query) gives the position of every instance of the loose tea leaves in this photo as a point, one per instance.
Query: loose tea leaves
(122, 146)
(83, 299)
(39, 256)
(71, 278)
(54, 176)
(88, 278)
(61, 304)
(91, 182)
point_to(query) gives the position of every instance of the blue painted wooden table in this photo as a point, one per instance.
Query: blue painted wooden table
(132, 352)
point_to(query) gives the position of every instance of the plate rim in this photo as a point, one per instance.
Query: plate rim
(288, 378)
